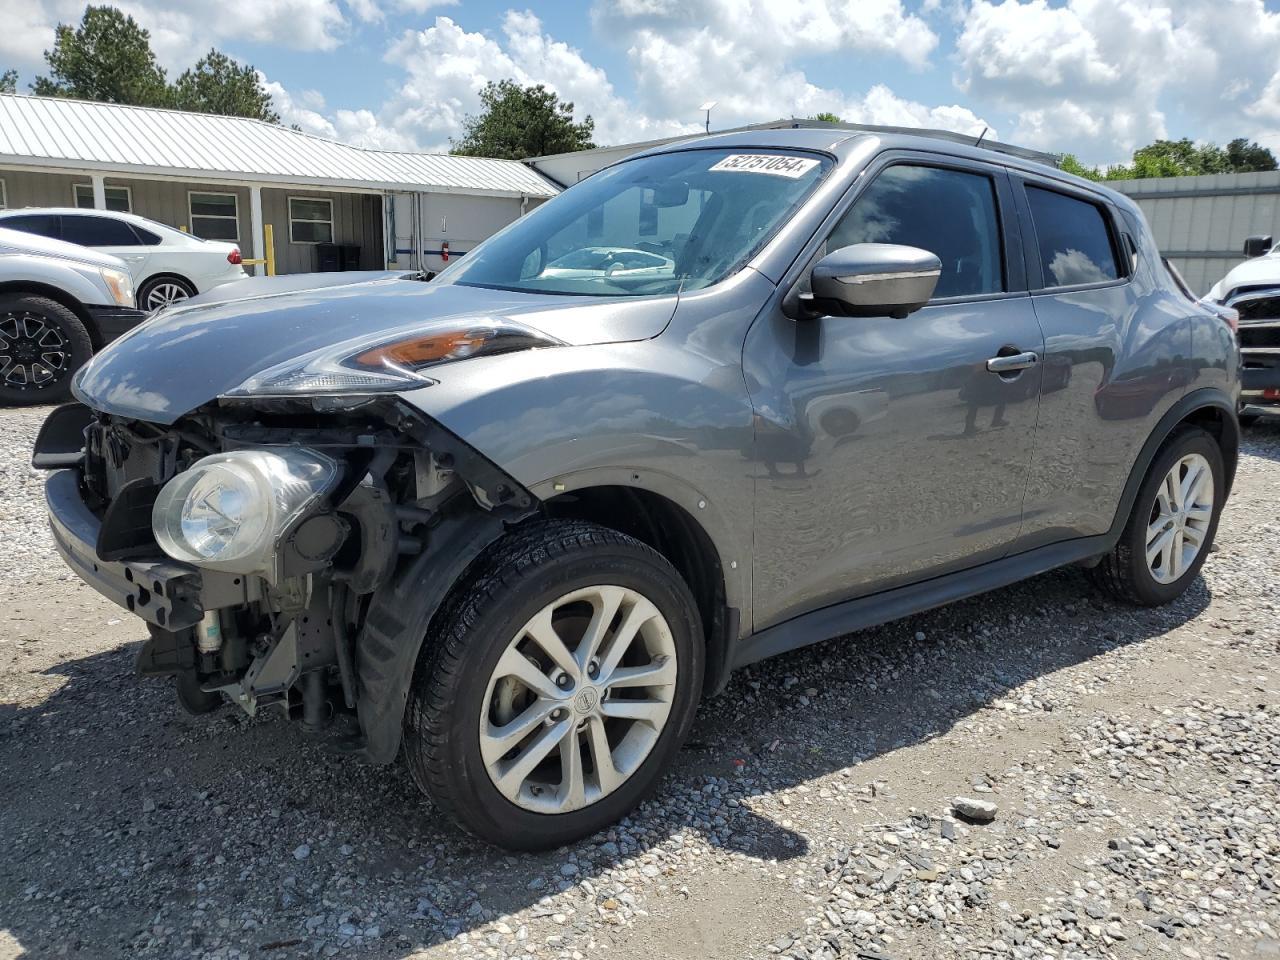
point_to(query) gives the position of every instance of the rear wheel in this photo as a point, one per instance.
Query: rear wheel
(562, 680)
(1171, 528)
(159, 292)
(42, 344)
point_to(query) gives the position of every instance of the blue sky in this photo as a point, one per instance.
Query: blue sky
(1093, 77)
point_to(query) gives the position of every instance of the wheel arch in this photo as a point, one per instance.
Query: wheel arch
(34, 288)
(674, 531)
(1209, 408)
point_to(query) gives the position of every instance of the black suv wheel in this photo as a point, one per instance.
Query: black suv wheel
(42, 344)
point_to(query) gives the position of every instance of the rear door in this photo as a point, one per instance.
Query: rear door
(1114, 352)
(109, 235)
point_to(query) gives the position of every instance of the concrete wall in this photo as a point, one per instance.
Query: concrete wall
(1200, 223)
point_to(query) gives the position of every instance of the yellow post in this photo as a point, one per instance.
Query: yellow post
(269, 241)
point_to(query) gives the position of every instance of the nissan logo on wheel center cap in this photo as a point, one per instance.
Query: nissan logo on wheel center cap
(586, 700)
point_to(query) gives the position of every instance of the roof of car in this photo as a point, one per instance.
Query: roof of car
(841, 142)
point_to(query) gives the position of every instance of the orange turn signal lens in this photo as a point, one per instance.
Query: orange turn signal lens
(419, 351)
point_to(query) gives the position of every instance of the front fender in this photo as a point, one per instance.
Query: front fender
(642, 415)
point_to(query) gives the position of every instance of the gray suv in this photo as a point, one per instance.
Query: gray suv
(514, 523)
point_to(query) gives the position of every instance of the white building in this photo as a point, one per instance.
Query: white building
(226, 177)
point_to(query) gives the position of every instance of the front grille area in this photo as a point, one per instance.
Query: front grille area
(1260, 335)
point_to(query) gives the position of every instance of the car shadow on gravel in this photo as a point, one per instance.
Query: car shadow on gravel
(132, 829)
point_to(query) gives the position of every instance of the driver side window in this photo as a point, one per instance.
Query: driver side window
(950, 213)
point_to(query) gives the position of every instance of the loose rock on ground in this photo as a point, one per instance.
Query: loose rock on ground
(1132, 758)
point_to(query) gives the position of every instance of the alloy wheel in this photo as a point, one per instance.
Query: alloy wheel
(1180, 518)
(34, 353)
(165, 294)
(578, 699)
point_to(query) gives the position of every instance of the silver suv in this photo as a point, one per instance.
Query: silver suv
(515, 522)
(58, 303)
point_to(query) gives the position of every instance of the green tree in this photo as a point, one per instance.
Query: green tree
(519, 122)
(108, 57)
(1247, 157)
(217, 84)
(1179, 158)
(9, 81)
(826, 117)
(1070, 164)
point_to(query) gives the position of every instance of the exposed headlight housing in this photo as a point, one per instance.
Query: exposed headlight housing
(229, 510)
(120, 284)
(391, 362)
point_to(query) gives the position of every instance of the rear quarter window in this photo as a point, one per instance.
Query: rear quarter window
(1074, 241)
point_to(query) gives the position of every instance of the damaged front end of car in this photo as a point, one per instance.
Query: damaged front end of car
(287, 546)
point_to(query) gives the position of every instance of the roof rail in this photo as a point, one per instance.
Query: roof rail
(1025, 153)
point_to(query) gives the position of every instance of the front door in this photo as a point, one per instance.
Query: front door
(889, 451)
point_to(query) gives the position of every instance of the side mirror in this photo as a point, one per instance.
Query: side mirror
(874, 280)
(1256, 246)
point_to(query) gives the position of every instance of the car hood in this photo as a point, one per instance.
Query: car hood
(185, 357)
(1260, 270)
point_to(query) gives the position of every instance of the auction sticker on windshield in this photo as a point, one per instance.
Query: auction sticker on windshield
(791, 167)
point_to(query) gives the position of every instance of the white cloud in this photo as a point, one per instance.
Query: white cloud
(182, 31)
(1101, 77)
(675, 66)
(422, 6)
(27, 33)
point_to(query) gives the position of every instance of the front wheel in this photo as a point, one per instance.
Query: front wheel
(558, 686)
(42, 343)
(1171, 528)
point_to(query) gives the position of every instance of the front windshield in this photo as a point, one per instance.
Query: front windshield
(655, 225)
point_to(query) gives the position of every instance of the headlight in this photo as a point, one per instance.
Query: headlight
(391, 361)
(120, 284)
(228, 510)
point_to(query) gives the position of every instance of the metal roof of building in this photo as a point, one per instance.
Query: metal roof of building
(111, 138)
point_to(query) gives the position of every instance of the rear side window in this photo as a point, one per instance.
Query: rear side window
(1075, 244)
(947, 212)
(41, 224)
(97, 232)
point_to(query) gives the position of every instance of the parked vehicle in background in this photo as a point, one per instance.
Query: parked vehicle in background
(1253, 290)
(167, 265)
(588, 262)
(58, 303)
(516, 524)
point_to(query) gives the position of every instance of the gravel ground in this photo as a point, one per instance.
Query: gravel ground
(1131, 757)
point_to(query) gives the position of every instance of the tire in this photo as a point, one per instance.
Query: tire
(42, 345)
(456, 685)
(1125, 572)
(166, 289)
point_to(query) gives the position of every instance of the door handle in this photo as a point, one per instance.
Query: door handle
(1013, 363)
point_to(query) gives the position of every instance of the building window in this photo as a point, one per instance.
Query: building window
(119, 199)
(4, 197)
(214, 216)
(310, 221)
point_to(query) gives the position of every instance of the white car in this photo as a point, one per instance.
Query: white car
(167, 265)
(621, 262)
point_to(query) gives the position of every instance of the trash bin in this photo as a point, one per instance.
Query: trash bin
(350, 256)
(328, 257)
